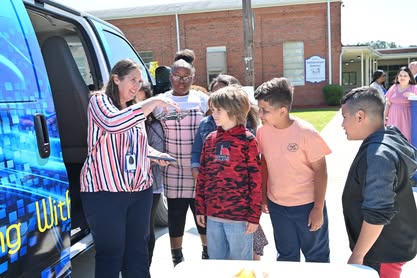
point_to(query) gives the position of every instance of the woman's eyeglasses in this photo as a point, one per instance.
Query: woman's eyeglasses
(182, 78)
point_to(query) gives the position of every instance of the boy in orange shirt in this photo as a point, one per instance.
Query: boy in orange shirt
(294, 176)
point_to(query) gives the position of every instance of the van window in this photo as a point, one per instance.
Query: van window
(80, 58)
(118, 48)
(47, 26)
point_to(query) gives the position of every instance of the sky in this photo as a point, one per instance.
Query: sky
(362, 20)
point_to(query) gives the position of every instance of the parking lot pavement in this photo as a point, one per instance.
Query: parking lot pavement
(338, 164)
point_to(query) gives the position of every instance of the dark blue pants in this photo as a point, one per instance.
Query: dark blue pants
(292, 234)
(119, 224)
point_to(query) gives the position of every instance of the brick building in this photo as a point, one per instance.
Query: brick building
(291, 39)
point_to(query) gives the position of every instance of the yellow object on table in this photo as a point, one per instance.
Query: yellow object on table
(245, 273)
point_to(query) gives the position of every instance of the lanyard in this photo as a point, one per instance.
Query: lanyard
(130, 161)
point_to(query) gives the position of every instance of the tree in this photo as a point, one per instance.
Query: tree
(379, 44)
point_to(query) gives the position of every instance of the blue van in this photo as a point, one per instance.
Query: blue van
(51, 57)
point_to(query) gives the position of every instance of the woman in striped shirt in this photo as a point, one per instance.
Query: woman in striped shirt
(116, 177)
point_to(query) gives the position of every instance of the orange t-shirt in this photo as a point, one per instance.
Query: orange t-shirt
(289, 153)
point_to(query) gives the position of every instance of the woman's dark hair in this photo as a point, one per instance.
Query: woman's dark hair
(147, 89)
(120, 69)
(377, 74)
(186, 55)
(408, 71)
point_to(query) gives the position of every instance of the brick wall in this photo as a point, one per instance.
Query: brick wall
(273, 27)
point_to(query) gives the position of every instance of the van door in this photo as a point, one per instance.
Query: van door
(35, 215)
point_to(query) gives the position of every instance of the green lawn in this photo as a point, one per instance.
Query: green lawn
(318, 117)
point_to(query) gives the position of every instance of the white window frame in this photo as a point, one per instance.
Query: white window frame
(293, 62)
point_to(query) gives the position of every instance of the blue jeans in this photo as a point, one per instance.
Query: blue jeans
(292, 234)
(227, 240)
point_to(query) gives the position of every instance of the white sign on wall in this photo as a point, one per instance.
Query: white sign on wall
(315, 69)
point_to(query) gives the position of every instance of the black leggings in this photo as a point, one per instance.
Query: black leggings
(151, 246)
(177, 213)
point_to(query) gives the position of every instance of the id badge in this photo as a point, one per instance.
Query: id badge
(130, 162)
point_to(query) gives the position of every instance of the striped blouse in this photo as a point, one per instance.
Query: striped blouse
(114, 134)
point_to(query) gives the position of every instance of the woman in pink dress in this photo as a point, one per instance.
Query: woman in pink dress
(397, 109)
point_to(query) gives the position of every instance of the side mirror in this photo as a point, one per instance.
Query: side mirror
(162, 80)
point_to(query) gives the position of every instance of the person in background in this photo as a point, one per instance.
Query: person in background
(221, 81)
(225, 182)
(199, 88)
(294, 176)
(378, 202)
(116, 178)
(413, 68)
(156, 141)
(378, 82)
(397, 108)
(180, 128)
(208, 125)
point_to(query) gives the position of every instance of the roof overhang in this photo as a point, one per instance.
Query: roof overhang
(356, 52)
(350, 53)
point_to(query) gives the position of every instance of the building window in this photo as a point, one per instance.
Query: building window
(294, 62)
(349, 78)
(147, 57)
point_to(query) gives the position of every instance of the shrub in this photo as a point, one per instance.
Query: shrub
(333, 94)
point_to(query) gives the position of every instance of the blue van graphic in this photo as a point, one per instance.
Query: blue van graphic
(51, 58)
(35, 213)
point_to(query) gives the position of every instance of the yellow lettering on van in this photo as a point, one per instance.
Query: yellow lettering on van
(12, 239)
(68, 200)
(47, 225)
(16, 244)
(3, 243)
(56, 212)
(61, 205)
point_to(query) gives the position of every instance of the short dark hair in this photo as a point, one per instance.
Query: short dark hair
(366, 99)
(277, 92)
(377, 74)
(225, 79)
